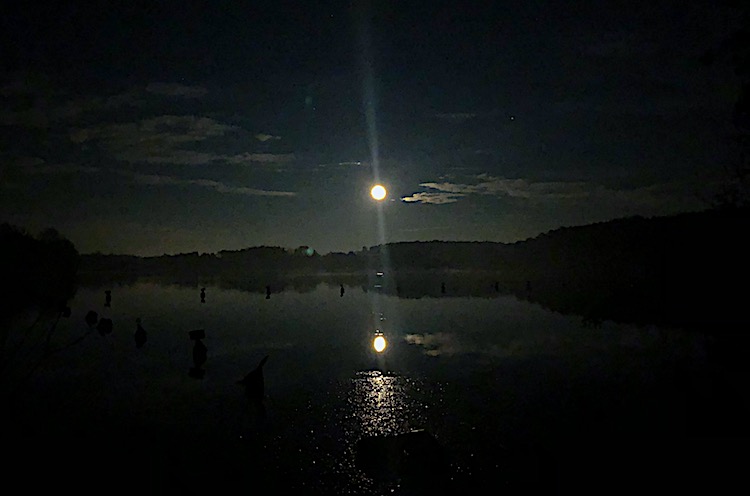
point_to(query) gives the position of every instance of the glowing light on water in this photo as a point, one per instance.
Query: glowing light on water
(379, 343)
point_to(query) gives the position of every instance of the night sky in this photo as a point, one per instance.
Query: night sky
(169, 127)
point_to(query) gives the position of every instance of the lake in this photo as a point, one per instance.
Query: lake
(519, 399)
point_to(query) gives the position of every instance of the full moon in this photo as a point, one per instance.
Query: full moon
(379, 344)
(378, 192)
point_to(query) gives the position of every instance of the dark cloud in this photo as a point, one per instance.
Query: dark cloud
(159, 180)
(259, 158)
(456, 117)
(155, 140)
(176, 90)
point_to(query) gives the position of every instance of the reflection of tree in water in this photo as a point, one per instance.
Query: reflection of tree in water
(200, 354)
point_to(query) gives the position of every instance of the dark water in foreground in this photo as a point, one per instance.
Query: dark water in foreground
(521, 400)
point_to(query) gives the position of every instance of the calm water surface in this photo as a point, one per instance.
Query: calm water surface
(505, 386)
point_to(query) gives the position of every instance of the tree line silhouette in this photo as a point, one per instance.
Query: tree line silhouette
(678, 269)
(682, 269)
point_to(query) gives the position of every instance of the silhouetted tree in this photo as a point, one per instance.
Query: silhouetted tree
(37, 272)
(38, 279)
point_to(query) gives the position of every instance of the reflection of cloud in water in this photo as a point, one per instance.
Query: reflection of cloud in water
(530, 344)
(610, 340)
(440, 343)
(448, 344)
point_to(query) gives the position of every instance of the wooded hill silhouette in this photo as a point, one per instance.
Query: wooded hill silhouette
(681, 269)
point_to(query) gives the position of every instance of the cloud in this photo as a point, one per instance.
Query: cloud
(63, 169)
(422, 229)
(432, 198)
(37, 165)
(456, 117)
(461, 189)
(155, 140)
(267, 158)
(162, 140)
(72, 109)
(162, 130)
(176, 157)
(341, 165)
(42, 108)
(522, 188)
(265, 137)
(176, 89)
(158, 180)
(648, 198)
(500, 187)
